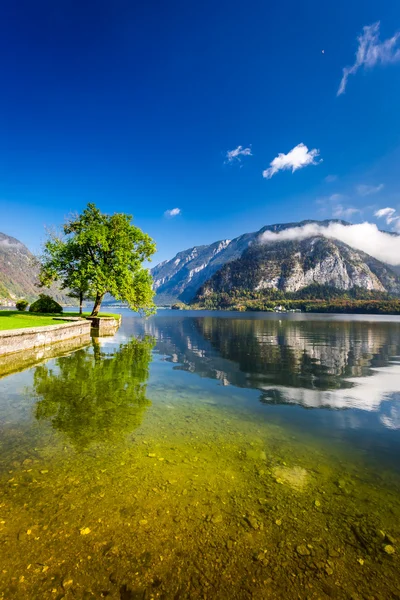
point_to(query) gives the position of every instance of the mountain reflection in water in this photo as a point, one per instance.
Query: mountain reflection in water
(313, 363)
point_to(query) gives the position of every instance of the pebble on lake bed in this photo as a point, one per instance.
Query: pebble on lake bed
(303, 550)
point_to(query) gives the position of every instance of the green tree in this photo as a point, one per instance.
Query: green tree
(21, 304)
(99, 253)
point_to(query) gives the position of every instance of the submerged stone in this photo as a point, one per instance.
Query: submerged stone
(295, 477)
(303, 550)
(253, 522)
(216, 518)
(256, 454)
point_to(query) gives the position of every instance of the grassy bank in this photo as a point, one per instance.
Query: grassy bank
(13, 319)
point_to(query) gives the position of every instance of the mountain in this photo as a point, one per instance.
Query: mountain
(19, 271)
(245, 264)
(181, 277)
(294, 265)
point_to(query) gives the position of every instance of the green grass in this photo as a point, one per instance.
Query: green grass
(13, 319)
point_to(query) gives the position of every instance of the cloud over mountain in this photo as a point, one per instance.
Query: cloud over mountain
(363, 236)
(390, 216)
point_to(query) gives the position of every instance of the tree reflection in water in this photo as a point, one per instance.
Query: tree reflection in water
(93, 397)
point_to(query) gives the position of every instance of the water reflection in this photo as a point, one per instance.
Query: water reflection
(214, 497)
(92, 396)
(335, 364)
(19, 361)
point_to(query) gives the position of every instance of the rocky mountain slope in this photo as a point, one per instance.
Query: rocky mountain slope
(245, 264)
(291, 266)
(181, 277)
(18, 272)
(17, 269)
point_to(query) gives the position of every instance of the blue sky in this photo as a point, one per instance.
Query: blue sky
(135, 106)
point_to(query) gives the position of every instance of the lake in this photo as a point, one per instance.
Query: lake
(205, 455)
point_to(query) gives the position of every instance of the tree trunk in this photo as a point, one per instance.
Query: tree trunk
(97, 304)
(80, 302)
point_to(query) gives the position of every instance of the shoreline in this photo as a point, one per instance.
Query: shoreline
(15, 341)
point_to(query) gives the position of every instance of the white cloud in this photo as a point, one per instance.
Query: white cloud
(362, 236)
(389, 214)
(298, 158)
(330, 178)
(173, 212)
(335, 204)
(336, 197)
(385, 212)
(367, 190)
(237, 153)
(328, 203)
(341, 212)
(371, 52)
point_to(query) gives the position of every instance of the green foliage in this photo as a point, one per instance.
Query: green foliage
(340, 303)
(22, 305)
(94, 397)
(45, 304)
(99, 254)
(180, 306)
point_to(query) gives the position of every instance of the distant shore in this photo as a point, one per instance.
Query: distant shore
(345, 306)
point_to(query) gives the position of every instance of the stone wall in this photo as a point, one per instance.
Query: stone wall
(16, 340)
(18, 361)
(104, 325)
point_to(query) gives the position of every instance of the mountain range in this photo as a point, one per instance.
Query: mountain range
(243, 265)
(19, 272)
(246, 264)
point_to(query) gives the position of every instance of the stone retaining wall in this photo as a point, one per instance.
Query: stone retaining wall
(104, 325)
(16, 340)
(18, 361)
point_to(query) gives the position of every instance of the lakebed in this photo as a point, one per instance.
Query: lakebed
(206, 455)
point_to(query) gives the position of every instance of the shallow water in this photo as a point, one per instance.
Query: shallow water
(205, 455)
